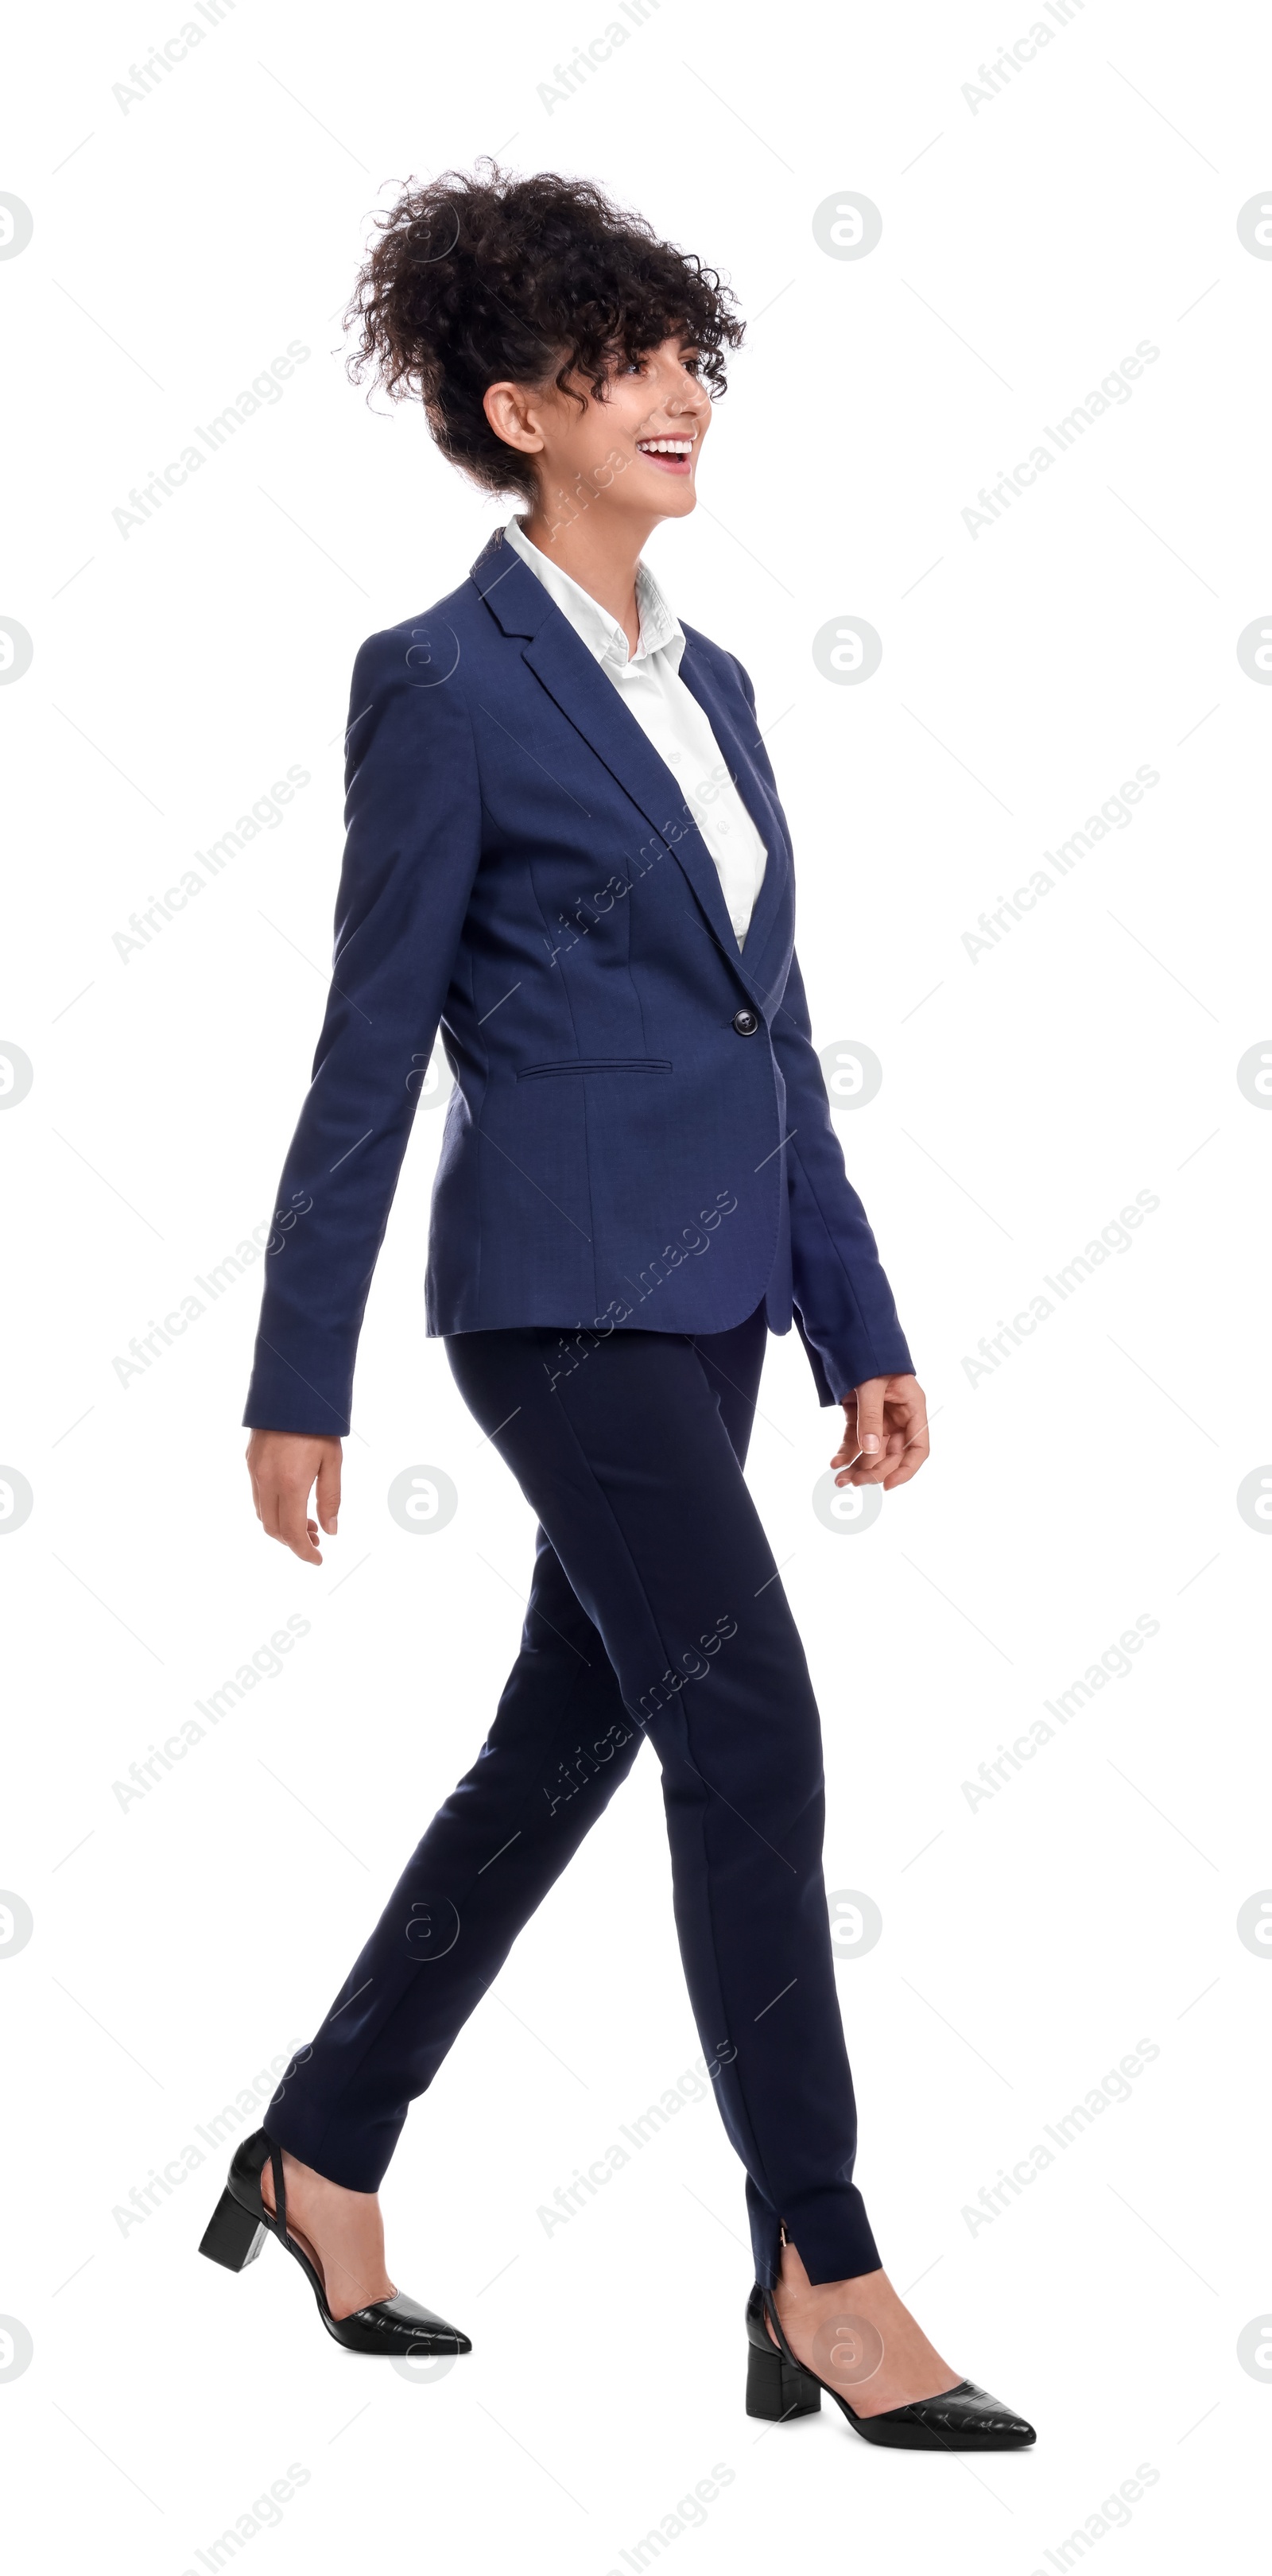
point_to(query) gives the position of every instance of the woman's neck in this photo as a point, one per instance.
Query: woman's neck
(600, 551)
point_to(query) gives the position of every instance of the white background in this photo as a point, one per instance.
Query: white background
(1029, 242)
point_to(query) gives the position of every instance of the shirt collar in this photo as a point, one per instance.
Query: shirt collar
(660, 629)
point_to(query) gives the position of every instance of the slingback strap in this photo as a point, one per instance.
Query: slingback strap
(280, 2187)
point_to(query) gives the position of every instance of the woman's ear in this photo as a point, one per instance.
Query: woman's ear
(509, 410)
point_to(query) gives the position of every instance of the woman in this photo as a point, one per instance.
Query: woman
(565, 847)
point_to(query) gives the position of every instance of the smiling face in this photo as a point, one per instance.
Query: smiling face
(634, 449)
(656, 413)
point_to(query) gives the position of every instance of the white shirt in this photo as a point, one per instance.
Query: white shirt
(668, 712)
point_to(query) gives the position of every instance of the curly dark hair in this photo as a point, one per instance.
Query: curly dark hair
(479, 277)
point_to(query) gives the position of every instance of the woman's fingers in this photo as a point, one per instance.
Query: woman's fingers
(862, 1451)
(328, 1495)
(870, 1423)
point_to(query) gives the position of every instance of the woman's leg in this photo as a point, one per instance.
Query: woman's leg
(556, 1752)
(558, 1748)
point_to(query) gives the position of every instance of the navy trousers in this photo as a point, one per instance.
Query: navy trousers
(655, 1610)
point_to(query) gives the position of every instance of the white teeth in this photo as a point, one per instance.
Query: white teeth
(665, 446)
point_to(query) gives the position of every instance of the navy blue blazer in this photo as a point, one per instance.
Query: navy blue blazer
(639, 1133)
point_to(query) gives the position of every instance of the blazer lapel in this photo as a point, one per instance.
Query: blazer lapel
(563, 666)
(756, 795)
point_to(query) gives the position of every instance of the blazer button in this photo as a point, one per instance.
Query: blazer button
(746, 1022)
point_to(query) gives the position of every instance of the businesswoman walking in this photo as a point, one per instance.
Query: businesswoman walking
(565, 848)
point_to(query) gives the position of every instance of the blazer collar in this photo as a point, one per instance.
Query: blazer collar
(563, 666)
(510, 590)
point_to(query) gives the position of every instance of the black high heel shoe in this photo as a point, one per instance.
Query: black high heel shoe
(238, 2229)
(963, 2418)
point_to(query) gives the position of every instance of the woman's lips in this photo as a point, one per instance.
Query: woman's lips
(669, 464)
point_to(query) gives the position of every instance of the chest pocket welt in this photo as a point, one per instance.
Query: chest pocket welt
(598, 1064)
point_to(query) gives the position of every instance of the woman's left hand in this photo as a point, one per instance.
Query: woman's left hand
(885, 1433)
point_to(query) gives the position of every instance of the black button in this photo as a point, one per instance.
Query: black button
(746, 1023)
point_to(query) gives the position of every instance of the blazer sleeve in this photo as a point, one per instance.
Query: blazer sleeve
(413, 819)
(844, 1309)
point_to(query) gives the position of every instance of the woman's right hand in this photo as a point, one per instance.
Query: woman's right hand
(284, 1466)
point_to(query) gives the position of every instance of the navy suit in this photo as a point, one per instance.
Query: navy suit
(639, 1132)
(638, 1155)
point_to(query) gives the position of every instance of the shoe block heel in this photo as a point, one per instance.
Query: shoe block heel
(232, 2237)
(776, 2389)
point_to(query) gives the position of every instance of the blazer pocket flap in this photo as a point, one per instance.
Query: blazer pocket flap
(598, 1064)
